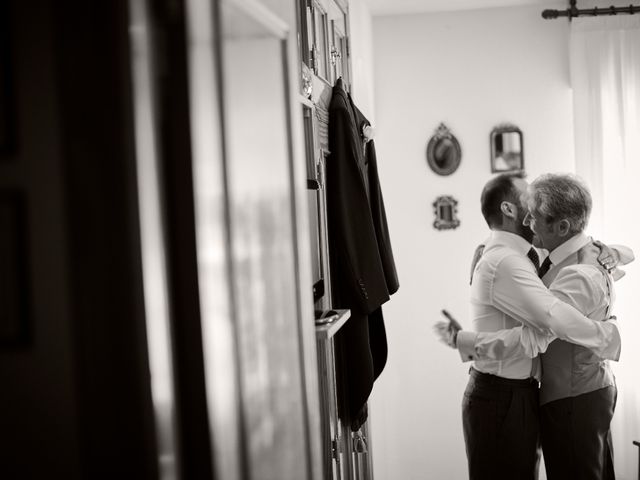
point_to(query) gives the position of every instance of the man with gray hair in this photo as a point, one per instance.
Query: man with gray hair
(578, 391)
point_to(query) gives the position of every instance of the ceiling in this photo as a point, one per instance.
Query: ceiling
(390, 7)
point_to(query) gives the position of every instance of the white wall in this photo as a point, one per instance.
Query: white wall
(362, 74)
(471, 70)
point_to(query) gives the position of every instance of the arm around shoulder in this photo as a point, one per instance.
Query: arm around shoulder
(624, 253)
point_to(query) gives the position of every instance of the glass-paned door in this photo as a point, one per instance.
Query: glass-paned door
(258, 146)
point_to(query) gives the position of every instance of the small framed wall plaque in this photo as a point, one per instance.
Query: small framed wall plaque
(446, 211)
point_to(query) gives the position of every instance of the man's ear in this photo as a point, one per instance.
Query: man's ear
(563, 227)
(508, 209)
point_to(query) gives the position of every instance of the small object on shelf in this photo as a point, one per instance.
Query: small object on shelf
(325, 316)
(329, 322)
(307, 81)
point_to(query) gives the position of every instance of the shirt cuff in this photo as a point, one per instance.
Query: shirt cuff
(613, 352)
(466, 345)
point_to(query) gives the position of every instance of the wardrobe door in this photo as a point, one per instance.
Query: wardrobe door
(247, 235)
(257, 141)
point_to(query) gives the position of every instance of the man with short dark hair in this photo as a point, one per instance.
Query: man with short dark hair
(500, 405)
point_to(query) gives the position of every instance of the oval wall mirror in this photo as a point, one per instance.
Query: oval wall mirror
(443, 151)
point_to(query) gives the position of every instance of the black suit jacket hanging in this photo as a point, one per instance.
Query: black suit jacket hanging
(363, 273)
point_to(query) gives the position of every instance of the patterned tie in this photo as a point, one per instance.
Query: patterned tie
(544, 268)
(533, 256)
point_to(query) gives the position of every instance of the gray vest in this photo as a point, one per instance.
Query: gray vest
(569, 370)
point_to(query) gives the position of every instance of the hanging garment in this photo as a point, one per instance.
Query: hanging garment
(363, 272)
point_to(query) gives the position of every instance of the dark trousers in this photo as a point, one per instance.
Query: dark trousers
(500, 419)
(576, 436)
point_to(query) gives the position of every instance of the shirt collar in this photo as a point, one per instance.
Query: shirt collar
(511, 240)
(572, 245)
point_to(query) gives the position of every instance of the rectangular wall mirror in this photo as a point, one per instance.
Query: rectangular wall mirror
(507, 152)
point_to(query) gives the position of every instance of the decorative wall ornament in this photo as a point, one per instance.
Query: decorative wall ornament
(507, 149)
(443, 151)
(446, 210)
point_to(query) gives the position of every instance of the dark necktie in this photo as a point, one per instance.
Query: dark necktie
(533, 256)
(544, 268)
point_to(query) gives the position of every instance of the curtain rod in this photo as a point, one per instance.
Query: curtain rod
(573, 11)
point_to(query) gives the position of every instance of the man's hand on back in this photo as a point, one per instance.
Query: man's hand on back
(608, 257)
(597, 253)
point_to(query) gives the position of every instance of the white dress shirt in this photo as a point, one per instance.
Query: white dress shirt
(506, 293)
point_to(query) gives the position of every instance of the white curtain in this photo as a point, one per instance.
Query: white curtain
(605, 76)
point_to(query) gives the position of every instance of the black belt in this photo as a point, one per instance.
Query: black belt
(489, 379)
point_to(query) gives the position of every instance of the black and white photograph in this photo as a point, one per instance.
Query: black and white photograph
(319, 240)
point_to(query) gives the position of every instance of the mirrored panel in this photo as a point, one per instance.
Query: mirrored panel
(258, 148)
(507, 152)
(320, 41)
